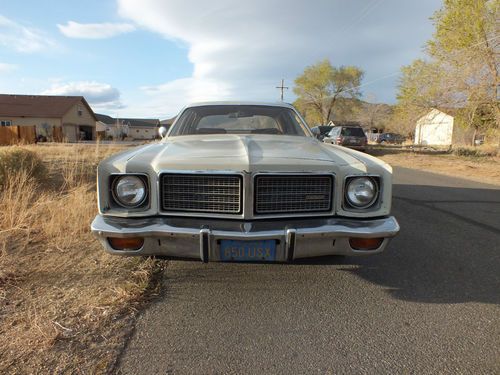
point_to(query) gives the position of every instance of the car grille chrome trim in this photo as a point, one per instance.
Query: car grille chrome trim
(206, 193)
(289, 194)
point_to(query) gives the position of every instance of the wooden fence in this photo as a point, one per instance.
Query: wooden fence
(57, 134)
(17, 134)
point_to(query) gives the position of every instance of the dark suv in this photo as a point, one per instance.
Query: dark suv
(391, 138)
(348, 136)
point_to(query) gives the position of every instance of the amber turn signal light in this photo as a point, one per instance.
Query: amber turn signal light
(365, 243)
(128, 243)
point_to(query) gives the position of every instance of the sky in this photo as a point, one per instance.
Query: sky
(149, 58)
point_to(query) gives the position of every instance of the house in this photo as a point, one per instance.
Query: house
(142, 128)
(54, 118)
(435, 128)
(110, 127)
(120, 128)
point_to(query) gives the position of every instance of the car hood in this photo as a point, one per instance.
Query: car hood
(241, 153)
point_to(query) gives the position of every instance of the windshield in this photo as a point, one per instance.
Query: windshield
(324, 129)
(353, 132)
(239, 119)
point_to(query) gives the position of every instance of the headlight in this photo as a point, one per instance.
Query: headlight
(129, 191)
(361, 192)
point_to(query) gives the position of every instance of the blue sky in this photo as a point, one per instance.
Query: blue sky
(148, 58)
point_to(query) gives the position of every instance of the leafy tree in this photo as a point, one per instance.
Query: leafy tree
(421, 87)
(372, 114)
(321, 87)
(462, 69)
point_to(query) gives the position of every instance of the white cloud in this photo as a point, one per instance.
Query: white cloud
(241, 50)
(101, 96)
(4, 67)
(22, 38)
(165, 100)
(94, 30)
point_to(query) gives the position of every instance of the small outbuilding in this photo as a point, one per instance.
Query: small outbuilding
(434, 129)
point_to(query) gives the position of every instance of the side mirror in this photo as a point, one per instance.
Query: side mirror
(316, 132)
(162, 131)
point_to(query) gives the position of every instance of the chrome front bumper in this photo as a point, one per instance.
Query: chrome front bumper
(200, 238)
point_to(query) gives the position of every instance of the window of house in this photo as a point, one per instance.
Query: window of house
(80, 111)
(5, 123)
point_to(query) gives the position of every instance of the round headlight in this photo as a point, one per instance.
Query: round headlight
(361, 192)
(129, 191)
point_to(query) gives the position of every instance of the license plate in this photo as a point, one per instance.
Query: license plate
(248, 251)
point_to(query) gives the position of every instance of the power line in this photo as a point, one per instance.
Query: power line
(362, 14)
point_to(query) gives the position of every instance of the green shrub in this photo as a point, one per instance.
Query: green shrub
(16, 160)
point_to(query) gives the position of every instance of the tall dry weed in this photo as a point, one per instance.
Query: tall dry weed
(19, 196)
(67, 218)
(59, 290)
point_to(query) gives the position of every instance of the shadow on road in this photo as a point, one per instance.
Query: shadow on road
(448, 250)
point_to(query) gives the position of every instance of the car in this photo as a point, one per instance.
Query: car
(390, 138)
(244, 182)
(347, 136)
(479, 139)
(323, 131)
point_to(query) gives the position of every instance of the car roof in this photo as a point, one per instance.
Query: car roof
(270, 104)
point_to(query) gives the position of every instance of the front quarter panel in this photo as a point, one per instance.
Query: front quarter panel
(128, 162)
(365, 165)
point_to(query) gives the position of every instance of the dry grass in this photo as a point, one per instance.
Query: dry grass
(65, 305)
(484, 169)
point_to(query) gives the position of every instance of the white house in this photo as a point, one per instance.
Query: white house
(139, 129)
(142, 128)
(435, 128)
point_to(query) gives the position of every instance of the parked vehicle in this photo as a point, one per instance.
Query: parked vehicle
(347, 136)
(479, 139)
(390, 138)
(323, 131)
(243, 182)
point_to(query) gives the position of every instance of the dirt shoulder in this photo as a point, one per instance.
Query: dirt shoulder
(480, 169)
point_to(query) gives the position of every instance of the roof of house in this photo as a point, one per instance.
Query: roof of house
(39, 105)
(105, 118)
(141, 122)
(168, 121)
(132, 122)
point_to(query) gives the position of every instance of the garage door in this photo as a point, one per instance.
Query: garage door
(69, 133)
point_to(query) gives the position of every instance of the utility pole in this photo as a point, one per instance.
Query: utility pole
(282, 88)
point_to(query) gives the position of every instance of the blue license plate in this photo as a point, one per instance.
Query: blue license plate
(248, 251)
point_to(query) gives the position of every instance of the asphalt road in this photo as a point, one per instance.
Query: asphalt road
(429, 304)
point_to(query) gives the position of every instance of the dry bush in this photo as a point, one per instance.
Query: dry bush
(66, 304)
(471, 151)
(14, 160)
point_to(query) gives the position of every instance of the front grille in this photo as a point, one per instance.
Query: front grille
(293, 194)
(201, 193)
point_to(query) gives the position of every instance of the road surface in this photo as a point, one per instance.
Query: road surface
(429, 304)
